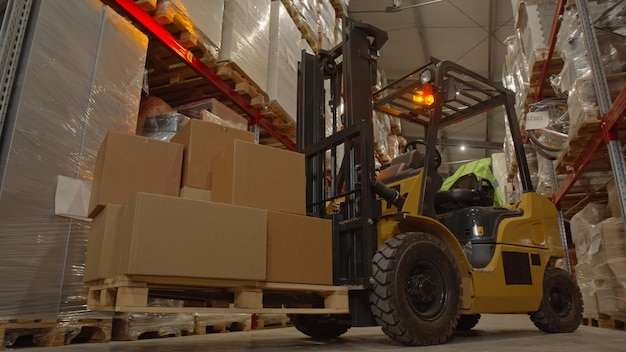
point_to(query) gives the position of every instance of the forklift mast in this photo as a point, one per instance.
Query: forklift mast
(350, 69)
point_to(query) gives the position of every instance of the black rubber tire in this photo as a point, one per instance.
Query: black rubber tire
(561, 308)
(322, 327)
(416, 293)
(467, 322)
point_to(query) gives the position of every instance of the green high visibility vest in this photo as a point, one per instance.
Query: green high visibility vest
(482, 169)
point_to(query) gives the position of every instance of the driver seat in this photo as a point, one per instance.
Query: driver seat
(467, 191)
(402, 166)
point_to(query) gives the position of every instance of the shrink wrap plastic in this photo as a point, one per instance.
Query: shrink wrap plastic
(246, 38)
(600, 244)
(284, 55)
(201, 19)
(80, 77)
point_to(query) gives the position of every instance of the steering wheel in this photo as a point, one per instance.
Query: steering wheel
(412, 145)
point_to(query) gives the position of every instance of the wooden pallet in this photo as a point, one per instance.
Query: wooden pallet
(556, 66)
(139, 326)
(577, 144)
(178, 24)
(275, 113)
(244, 85)
(270, 321)
(604, 321)
(306, 31)
(220, 323)
(19, 332)
(147, 5)
(130, 294)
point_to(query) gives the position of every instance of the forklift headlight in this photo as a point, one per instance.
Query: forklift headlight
(426, 76)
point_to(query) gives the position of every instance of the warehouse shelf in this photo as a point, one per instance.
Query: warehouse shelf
(599, 142)
(188, 77)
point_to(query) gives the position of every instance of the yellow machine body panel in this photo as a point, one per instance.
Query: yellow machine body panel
(538, 227)
(525, 245)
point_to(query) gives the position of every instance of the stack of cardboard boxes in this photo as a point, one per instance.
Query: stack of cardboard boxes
(208, 204)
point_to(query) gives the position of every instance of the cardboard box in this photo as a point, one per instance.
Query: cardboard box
(202, 141)
(100, 245)
(195, 193)
(127, 164)
(261, 177)
(299, 249)
(170, 236)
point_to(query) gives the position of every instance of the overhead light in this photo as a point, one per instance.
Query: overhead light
(462, 148)
(397, 5)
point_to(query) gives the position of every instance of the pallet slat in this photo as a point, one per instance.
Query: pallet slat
(130, 294)
(51, 332)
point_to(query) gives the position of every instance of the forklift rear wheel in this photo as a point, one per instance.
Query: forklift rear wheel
(416, 293)
(467, 322)
(561, 306)
(321, 326)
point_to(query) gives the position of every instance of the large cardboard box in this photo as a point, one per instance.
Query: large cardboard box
(260, 176)
(170, 236)
(127, 164)
(100, 246)
(299, 249)
(202, 141)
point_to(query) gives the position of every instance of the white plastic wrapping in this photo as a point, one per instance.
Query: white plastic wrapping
(135, 326)
(575, 79)
(201, 19)
(517, 69)
(305, 16)
(534, 22)
(326, 24)
(246, 38)
(284, 55)
(600, 244)
(81, 76)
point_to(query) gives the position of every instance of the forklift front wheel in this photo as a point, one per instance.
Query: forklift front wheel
(561, 307)
(416, 294)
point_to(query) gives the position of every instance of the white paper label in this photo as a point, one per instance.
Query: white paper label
(537, 119)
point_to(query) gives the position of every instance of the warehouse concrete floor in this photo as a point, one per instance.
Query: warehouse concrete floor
(494, 333)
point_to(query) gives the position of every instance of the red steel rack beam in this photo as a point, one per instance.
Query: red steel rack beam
(165, 37)
(556, 24)
(608, 132)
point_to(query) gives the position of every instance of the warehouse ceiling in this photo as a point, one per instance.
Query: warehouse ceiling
(468, 32)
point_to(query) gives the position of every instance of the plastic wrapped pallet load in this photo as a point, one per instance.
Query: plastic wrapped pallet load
(80, 77)
(200, 18)
(245, 38)
(284, 55)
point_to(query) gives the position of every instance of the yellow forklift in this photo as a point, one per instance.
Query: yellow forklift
(419, 262)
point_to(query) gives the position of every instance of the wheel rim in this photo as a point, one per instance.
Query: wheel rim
(560, 300)
(426, 291)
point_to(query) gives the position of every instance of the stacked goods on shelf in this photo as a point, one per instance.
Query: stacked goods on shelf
(388, 141)
(526, 52)
(245, 39)
(81, 76)
(284, 55)
(198, 24)
(212, 110)
(160, 235)
(547, 140)
(341, 7)
(601, 254)
(576, 80)
(305, 16)
(326, 25)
